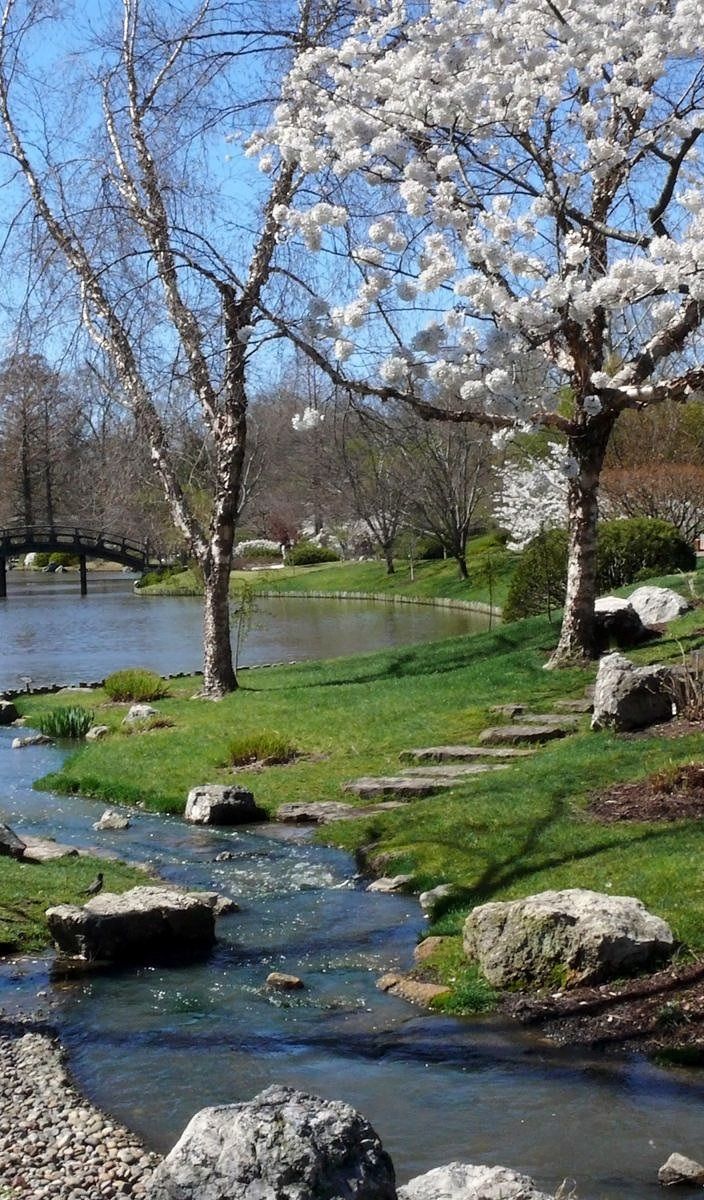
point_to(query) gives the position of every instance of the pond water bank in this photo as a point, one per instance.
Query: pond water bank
(153, 1045)
(50, 633)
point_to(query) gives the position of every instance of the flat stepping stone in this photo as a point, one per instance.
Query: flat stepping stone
(512, 734)
(455, 770)
(369, 788)
(40, 850)
(462, 753)
(574, 706)
(508, 710)
(324, 812)
(564, 719)
(415, 991)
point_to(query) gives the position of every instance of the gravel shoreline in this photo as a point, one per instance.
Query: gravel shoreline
(53, 1142)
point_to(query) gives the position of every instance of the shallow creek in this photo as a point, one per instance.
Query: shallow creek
(152, 1046)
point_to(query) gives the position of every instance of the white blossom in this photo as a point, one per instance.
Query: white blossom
(310, 418)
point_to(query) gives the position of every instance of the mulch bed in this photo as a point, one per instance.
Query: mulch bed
(675, 795)
(661, 1015)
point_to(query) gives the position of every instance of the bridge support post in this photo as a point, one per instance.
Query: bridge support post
(84, 578)
(3, 577)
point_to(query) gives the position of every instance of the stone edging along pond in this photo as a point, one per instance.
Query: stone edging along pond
(478, 606)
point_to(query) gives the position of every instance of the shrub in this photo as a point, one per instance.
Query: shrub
(639, 547)
(628, 550)
(258, 548)
(152, 577)
(429, 548)
(305, 553)
(61, 559)
(267, 748)
(135, 684)
(540, 578)
(67, 722)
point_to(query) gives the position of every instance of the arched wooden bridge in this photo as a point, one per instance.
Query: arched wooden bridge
(80, 543)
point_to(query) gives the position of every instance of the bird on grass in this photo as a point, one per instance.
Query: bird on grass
(94, 887)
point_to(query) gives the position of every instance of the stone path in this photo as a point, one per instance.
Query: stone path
(462, 753)
(53, 1144)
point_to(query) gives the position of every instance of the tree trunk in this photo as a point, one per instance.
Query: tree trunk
(462, 564)
(219, 676)
(577, 643)
(389, 557)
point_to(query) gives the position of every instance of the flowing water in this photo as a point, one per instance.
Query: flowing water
(51, 634)
(153, 1045)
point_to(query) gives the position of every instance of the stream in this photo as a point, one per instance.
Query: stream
(153, 1045)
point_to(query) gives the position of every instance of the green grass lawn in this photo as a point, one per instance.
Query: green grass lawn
(490, 570)
(28, 889)
(500, 835)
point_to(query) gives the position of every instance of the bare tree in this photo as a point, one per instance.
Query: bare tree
(170, 285)
(375, 480)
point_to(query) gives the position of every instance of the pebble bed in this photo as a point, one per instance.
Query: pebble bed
(53, 1143)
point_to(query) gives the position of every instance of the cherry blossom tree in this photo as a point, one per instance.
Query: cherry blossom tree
(532, 496)
(518, 187)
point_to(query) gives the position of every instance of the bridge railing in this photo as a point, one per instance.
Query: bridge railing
(72, 537)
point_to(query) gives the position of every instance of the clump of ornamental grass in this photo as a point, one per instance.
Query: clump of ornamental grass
(265, 749)
(135, 684)
(68, 722)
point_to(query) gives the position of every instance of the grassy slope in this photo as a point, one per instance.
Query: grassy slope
(501, 835)
(432, 579)
(28, 889)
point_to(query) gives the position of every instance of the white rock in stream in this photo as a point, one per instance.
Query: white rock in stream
(462, 1181)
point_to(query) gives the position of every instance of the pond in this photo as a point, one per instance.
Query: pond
(51, 634)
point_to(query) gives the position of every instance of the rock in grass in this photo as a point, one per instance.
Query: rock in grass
(282, 1145)
(391, 883)
(657, 605)
(216, 804)
(679, 1169)
(139, 712)
(517, 734)
(8, 712)
(96, 732)
(144, 923)
(436, 900)
(629, 697)
(462, 1181)
(578, 935)
(10, 845)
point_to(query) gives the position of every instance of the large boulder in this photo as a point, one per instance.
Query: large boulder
(216, 804)
(575, 936)
(282, 1145)
(629, 697)
(616, 621)
(10, 844)
(462, 1181)
(658, 605)
(141, 924)
(8, 712)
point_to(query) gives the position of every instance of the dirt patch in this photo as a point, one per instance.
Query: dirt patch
(661, 1015)
(676, 794)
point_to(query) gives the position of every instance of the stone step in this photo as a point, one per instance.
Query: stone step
(566, 720)
(516, 734)
(325, 812)
(462, 753)
(575, 706)
(454, 770)
(40, 850)
(369, 788)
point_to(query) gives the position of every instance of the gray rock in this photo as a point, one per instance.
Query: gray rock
(41, 850)
(616, 621)
(658, 605)
(679, 1169)
(462, 1181)
(216, 804)
(439, 897)
(143, 923)
(629, 697)
(514, 734)
(283, 1145)
(96, 732)
(34, 739)
(583, 936)
(221, 905)
(112, 820)
(283, 982)
(10, 845)
(453, 770)
(575, 706)
(139, 712)
(8, 712)
(390, 883)
(371, 787)
(463, 753)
